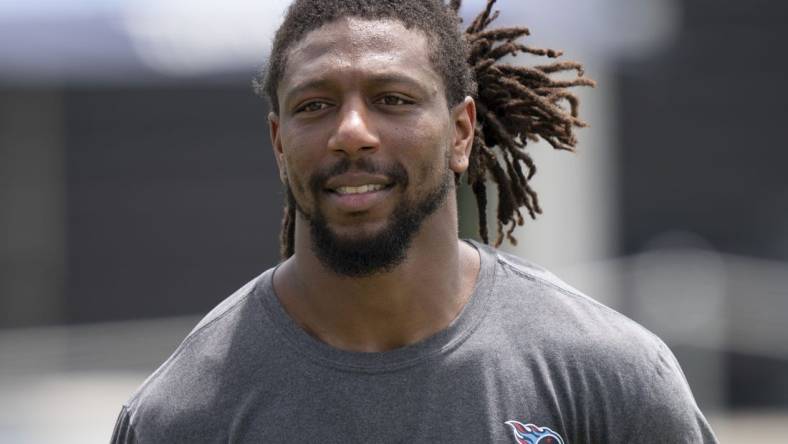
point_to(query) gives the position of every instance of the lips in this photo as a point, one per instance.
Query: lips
(366, 188)
(355, 193)
(351, 182)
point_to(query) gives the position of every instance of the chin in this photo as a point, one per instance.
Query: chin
(358, 232)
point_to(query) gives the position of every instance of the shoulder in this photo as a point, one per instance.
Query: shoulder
(563, 316)
(606, 364)
(192, 383)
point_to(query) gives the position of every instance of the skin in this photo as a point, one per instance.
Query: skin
(358, 88)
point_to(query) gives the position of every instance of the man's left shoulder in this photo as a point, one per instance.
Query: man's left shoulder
(566, 319)
(597, 359)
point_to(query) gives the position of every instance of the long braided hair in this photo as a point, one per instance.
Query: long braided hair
(515, 104)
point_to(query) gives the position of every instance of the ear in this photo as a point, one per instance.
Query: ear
(463, 117)
(276, 143)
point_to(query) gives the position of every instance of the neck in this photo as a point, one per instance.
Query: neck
(384, 311)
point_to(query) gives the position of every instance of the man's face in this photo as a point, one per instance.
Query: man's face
(364, 140)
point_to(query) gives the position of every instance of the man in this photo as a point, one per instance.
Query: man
(380, 325)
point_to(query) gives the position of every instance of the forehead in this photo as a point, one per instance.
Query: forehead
(355, 44)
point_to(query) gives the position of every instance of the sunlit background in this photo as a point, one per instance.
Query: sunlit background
(138, 189)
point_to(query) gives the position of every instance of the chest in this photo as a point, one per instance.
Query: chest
(459, 401)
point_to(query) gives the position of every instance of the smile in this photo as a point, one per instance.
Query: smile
(358, 198)
(368, 188)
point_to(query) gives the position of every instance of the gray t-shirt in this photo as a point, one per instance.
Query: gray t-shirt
(529, 359)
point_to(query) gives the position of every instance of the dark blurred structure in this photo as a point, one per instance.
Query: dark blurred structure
(168, 196)
(172, 197)
(702, 129)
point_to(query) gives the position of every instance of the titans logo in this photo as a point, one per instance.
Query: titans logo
(533, 434)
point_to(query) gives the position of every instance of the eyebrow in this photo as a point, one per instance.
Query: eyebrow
(305, 86)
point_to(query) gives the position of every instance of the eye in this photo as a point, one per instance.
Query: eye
(394, 100)
(315, 105)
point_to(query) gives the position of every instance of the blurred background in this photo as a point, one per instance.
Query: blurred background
(138, 189)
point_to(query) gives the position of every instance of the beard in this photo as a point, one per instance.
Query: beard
(380, 252)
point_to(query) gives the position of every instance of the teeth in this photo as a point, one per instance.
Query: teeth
(359, 189)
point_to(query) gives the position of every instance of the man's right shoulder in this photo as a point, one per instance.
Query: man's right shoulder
(194, 382)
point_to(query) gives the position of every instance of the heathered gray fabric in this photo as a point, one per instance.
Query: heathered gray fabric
(526, 347)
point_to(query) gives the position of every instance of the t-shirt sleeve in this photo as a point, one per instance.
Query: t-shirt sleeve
(123, 433)
(667, 411)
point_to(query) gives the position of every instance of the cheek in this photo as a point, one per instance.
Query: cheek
(296, 184)
(425, 150)
(300, 160)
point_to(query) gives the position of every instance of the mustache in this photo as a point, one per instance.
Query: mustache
(394, 172)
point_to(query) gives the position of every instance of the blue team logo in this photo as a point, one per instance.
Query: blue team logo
(533, 434)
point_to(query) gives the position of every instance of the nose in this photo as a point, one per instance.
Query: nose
(354, 133)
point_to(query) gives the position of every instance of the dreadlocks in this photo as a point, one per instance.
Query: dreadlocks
(515, 104)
